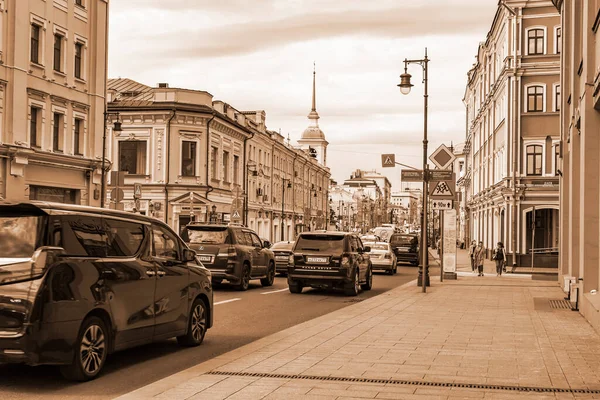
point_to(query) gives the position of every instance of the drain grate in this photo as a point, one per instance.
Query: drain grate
(410, 383)
(560, 304)
(353, 301)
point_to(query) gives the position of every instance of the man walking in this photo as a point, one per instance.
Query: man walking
(479, 257)
(472, 255)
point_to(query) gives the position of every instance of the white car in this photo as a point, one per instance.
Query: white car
(383, 257)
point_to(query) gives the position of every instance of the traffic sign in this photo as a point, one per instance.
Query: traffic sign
(442, 157)
(137, 190)
(441, 204)
(440, 175)
(388, 160)
(411, 175)
(117, 195)
(442, 190)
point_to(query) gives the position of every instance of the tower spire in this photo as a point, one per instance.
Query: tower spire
(314, 115)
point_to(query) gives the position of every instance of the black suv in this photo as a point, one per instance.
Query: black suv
(405, 247)
(233, 253)
(331, 260)
(78, 283)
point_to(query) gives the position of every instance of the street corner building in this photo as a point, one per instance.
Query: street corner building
(52, 99)
(200, 160)
(513, 102)
(579, 163)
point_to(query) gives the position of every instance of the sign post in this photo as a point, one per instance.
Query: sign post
(237, 206)
(388, 160)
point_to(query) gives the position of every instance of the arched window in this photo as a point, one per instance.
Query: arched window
(535, 98)
(535, 41)
(534, 159)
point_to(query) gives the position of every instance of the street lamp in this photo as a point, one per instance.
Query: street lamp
(116, 128)
(283, 186)
(405, 87)
(312, 193)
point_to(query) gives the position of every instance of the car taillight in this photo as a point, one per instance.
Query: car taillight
(345, 261)
(228, 252)
(291, 259)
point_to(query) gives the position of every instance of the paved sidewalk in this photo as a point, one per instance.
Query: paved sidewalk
(476, 337)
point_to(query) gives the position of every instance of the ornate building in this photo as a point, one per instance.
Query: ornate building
(52, 95)
(313, 138)
(513, 99)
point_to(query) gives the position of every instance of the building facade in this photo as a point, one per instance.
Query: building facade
(199, 159)
(52, 98)
(513, 99)
(407, 210)
(579, 155)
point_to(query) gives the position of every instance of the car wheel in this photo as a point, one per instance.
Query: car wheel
(369, 281)
(91, 350)
(354, 287)
(245, 279)
(270, 278)
(415, 263)
(295, 287)
(197, 323)
(395, 267)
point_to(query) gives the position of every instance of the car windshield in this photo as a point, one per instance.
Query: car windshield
(320, 243)
(403, 240)
(282, 246)
(377, 246)
(19, 236)
(208, 234)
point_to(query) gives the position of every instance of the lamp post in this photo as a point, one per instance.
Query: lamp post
(405, 87)
(312, 193)
(283, 186)
(116, 128)
(250, 168)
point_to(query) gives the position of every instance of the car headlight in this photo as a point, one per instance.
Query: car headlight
(291, 259)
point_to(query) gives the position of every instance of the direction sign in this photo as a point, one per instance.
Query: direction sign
(411, 175)
(442, 190)
(441, 204)
(442, 157)
(440, 175)
(137, 190)
(117, 195)
(388, 160)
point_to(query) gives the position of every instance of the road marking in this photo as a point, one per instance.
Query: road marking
(226, 301)
(276, 291)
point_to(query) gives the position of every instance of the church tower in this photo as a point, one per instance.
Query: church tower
(313, 138)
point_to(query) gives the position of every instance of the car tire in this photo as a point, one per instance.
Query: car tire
(369, 279)
(270, 278)
(196, 327)
(395, 268)
(295, 287)
(353, 287)
(91, 350)
(244, 279)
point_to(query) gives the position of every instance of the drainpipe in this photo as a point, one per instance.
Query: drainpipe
(271, 231)
(209, 188)
(168, 170)
(246, 195)
(294, 196)
(516, 113)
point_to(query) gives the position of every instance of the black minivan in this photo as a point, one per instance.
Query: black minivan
(78, 283)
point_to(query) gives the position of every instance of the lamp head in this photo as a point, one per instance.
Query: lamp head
(405, 84)
(117, 126)
(214, 208)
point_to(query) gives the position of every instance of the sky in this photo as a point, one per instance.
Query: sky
(259, 55)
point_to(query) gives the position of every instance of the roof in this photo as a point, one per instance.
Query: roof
(313, 132)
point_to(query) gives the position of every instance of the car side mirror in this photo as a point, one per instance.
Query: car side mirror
(266, 244)
(189, 255)
(367, 249)
(45, 256)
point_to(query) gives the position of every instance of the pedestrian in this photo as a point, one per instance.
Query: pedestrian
(479, 257)
(499, 256)
(472, 255)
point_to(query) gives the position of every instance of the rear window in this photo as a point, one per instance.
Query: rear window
(20, 236)
(320, 243)
(206, 234)
(403, 240)
(282, 246)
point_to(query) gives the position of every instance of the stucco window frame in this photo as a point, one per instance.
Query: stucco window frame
(62, 132)
(64, 33)
(526, 100)
(42, 24)
(134, 139)
(83, 137)
(41, 106)
(528, 143)
(545, 40)
(77, 39)
(197, 156)
(555, 144)
(557, 48)
(556, 104)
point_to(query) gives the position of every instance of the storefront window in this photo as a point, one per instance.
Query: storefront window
(55, 195)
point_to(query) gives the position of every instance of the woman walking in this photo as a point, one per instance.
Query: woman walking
(479, 257)
(472, 255)
(500, 258)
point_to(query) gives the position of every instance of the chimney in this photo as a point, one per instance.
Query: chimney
(163, 85)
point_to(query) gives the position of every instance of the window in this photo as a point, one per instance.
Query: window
(213, 162)
(188, 158)
(557, 98)
(535, 41)
(164, 244)
(79, 3)
(78, 59)
(535, 99)
(77, 129)
(35, 43)
(558, 40)
(80, 236)
(556, 157)
(57, 129)
(58, 39)
(226, 166)
(236, 170)
(132, 156)
(33, 126)
(534, 160)
(124, 239)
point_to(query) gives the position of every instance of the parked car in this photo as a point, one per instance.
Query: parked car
(406, 247)
(233, 253)
(383, 257)
(283, 253)
(79, 283)
(370, 238)
(330, 260)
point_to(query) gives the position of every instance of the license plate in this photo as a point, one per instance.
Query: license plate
(281, 258)
(207, 259)
(317, 259)
(403, 249)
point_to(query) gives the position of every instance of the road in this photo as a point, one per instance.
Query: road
(240, 318)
